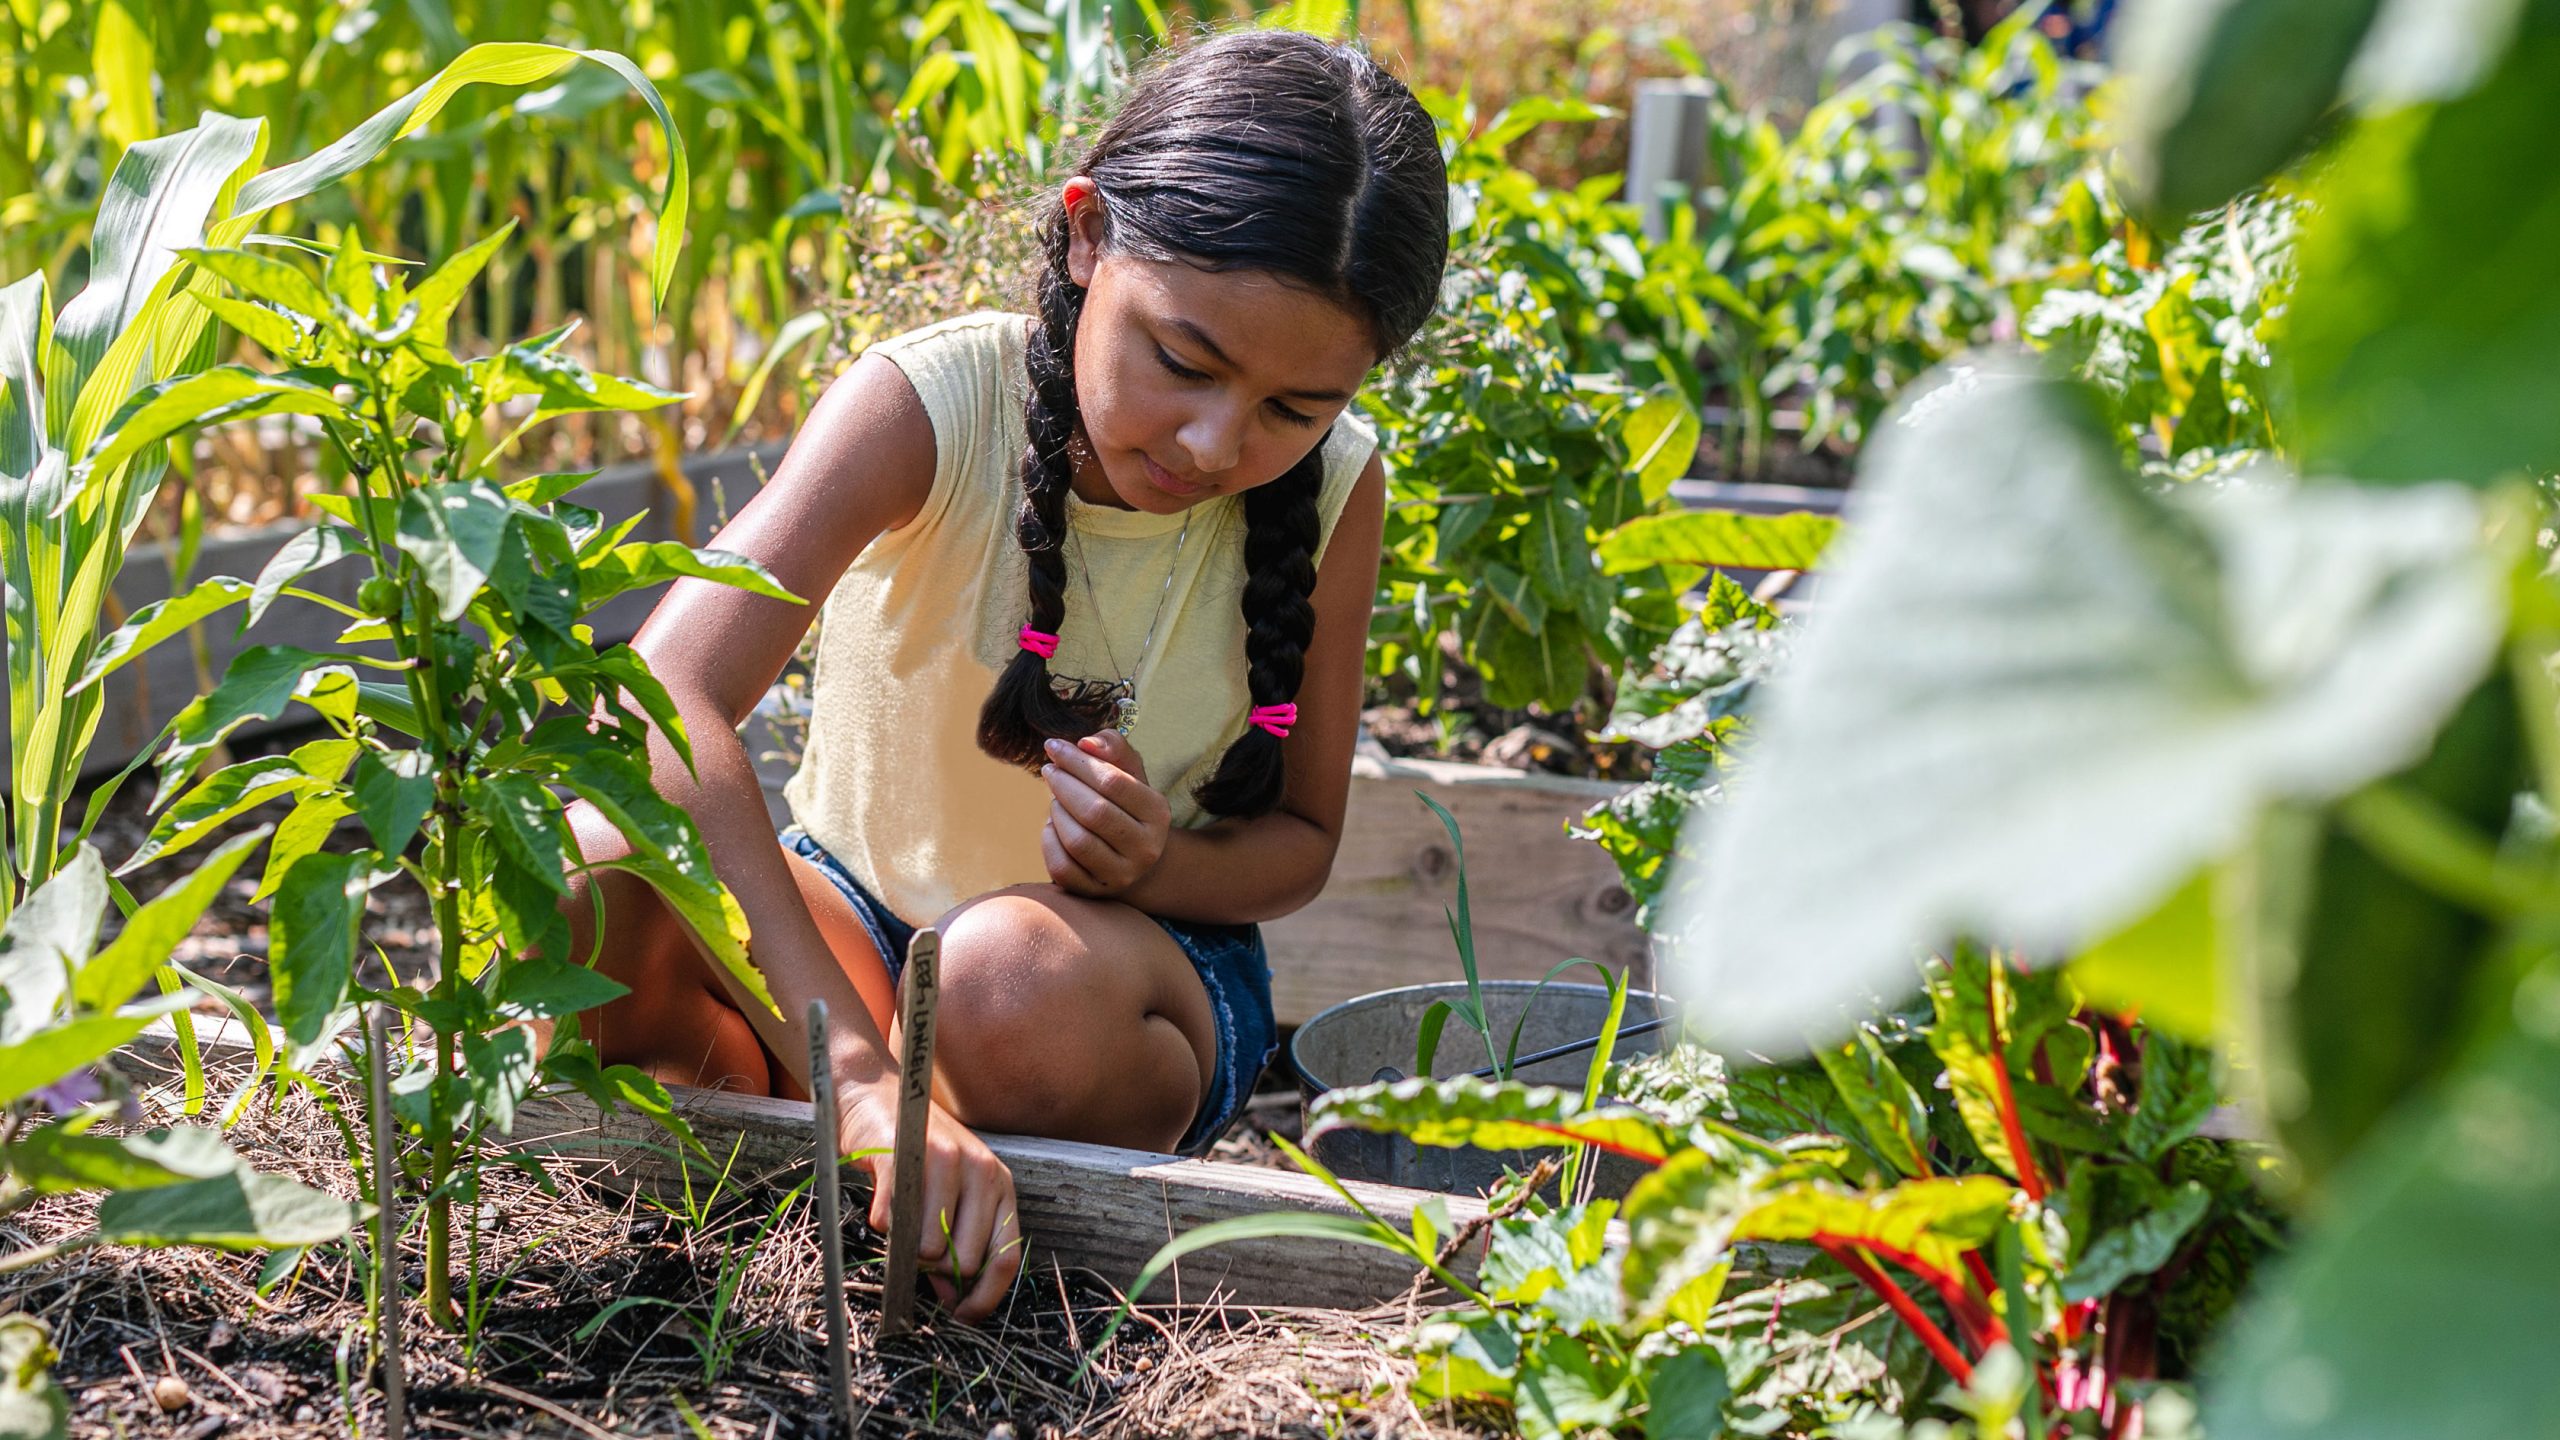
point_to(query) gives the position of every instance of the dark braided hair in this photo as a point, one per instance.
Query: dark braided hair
(1264, 150)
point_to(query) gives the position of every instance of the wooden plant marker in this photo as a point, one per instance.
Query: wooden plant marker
(386, 1220)
(918, 989)
(826, 1183)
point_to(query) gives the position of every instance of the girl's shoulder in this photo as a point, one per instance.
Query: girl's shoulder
(964, 366)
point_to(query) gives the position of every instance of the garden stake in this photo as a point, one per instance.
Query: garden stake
(825, 1178)
(395, 1390)
(916, 994)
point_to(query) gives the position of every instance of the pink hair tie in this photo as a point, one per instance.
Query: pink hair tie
(1039, 642)
(1275, 718)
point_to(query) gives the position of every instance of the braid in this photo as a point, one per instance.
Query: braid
(1026, 708)
(1281, 531)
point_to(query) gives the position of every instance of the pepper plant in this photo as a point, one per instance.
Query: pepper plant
(450, 751)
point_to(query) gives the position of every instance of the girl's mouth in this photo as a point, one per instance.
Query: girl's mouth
(1163, 480)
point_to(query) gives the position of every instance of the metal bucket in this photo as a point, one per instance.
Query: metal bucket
(1348, 1044)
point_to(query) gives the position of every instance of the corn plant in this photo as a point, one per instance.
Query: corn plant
(493, 695)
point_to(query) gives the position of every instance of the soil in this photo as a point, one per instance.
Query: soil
(602, 1314)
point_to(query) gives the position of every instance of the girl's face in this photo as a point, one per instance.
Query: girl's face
(1196, 383)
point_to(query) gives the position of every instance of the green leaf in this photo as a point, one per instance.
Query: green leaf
(2424, 309)
(668, 854)
(151, 934)
(2223, 93)
(2161, 966)
(1492, 1115)
(2355, 1334)
(526, 819)
(260, 682)
(1680, 1221)
(32, 1406)
(56, 1159)
(156, 622)
(48, 1055)
(313, 939)
(540, 987)
(454, 531)
(165, 409)
(1662, 441)
(277, 333)
(1725, 539)
(313, 820)
(393, 794)
(219, 797)
(1562, 1391)
(1891, 1115)
(242, 1210)
(649, 562)
(2137, 1248)
(266, 278)
(499, 64)
(540, 490)
(2039, 745)
(46, 941)
(562, 386)
(498, 1070)
(1972, 1011)
(438, 294)
(1934, 1221)
(1684, 1396)
(313, 548)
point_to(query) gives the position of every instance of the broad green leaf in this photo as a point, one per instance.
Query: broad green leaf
(258, 685)
(1972, 1012)
(454, 531)
(2138, 1247)
(1662, 441)
(498, 1072)
(151, 934)
(47, 1055)
(242, 1210)
(316, 547)
(156, 622)
(393, 794)
(313, 820)
(46, 941)
(1491, 1115)
(526, 819)
(169, 408)
(1892, 1117)
(1565, 1389)
(276, 333)
(497, 64)
(2160, 968)
(265, 278)
(2355, 1333)
(1932, 1221)
(1685, 1393)
(313, 939)
(541, 490)
(156, 200)
(561, 386)
(624, 1085)
(2039, 745)
(2224, 93)
(1680, 1220)
(1725, 539)
(225, 793)
(543, 988)
(668, 853)
(438, 294)
(56, 1159)
(648, 562)
(2424, 309)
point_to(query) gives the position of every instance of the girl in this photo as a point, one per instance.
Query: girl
(1097, 588)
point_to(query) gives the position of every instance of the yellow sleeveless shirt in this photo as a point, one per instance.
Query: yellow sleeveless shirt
(892, 782)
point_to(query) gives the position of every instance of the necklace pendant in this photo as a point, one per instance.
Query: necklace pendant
(1125, 712)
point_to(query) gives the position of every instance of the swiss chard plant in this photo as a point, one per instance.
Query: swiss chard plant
(2054, 1241)
(463, 698)
(2273, 760)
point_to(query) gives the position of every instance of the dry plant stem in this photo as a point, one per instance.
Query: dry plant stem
(386, 1200)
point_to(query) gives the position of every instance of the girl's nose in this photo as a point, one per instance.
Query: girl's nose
(1214, 439)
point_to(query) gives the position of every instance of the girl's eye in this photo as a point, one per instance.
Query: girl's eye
(1181, 371)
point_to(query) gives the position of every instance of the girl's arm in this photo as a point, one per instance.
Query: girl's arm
(862, 464)
(1240, 872)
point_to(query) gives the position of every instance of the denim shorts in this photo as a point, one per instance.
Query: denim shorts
(1230, 960)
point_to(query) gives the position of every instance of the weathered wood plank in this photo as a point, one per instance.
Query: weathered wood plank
(1091, 1207)
(1538, 895)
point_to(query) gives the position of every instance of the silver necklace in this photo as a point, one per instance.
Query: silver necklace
(1123, 692)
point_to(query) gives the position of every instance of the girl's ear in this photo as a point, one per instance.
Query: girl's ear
(1085, 229)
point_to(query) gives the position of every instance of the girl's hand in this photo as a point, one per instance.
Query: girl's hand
(1107, 826)
(972, 1229)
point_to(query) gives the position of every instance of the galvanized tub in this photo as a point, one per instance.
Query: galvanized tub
(1348, 1044)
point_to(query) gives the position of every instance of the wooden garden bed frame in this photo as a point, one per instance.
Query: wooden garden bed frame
(1089, 1207)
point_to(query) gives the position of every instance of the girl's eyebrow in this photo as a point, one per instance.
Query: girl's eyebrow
(1200, 337)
